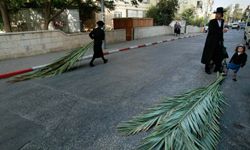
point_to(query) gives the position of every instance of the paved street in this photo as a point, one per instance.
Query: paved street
(80, 110)
(26, 62)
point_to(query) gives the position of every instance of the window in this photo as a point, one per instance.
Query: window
(135, 13)
(117, 14)
(146, 1)
(199, 4)
(126, 1)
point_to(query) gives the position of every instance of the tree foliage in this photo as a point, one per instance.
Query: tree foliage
(53, 8)
(164, 11)
(227, 13)
(188, 15)
(198, 22)
(246, 13)
(237, 13)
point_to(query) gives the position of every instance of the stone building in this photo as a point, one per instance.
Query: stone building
(203, 8)
(125, 9)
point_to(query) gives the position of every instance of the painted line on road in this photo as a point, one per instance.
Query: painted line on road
(113, 51)
(133, 47)
(22, 71)
(10, 74)
(124, 49)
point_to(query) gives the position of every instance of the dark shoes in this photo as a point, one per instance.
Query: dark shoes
(224, 74)
(217, 70)
(208, 71)
(91, 65)
(234, 79)
(105, 61)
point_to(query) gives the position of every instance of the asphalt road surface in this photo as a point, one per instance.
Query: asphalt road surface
(80, 110)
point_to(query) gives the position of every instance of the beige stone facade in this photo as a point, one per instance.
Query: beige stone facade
(19, 44)
(125, 9)
(203, 8)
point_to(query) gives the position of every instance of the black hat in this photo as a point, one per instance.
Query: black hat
(100, 23)
(220, 10)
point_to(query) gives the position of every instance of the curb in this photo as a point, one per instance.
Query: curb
(21, 71)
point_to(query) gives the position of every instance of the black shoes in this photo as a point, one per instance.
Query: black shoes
(91, 65)
(105, 61)
(208, 71)
(218, 69)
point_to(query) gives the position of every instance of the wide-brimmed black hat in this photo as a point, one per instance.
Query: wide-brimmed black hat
(220, 10)
(100, 23)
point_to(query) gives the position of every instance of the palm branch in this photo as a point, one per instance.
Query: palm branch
(189, 121)
(60, 66)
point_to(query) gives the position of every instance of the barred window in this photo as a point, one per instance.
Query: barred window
(199, 4)
(118, 14)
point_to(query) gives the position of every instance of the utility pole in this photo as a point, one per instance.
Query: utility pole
(103, 19)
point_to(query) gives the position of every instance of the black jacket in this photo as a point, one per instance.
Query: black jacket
(98, 35)
(239, 59)
(214, 42)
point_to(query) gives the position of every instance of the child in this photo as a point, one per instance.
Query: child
(98, 35)
(238, 60)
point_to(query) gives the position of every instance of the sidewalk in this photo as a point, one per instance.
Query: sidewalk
(26, 62)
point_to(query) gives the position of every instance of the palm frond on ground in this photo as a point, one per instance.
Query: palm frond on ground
(60, 66)
(189, 121)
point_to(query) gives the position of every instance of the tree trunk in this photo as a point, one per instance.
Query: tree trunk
(5, 15)
(47, 12)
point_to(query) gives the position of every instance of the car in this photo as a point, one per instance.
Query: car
(235, 26)
(247, 34)
(242, 25)
(226, 26)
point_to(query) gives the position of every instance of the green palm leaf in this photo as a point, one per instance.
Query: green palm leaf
(189, 121)
(153, 116)
(60, 66)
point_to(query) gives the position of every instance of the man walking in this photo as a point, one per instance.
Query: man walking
(213, 50)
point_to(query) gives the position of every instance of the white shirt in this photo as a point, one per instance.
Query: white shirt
(219, 22)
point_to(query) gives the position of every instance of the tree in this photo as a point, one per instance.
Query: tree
(51, 9)
(6, 8)
(227, 14)
(153, 12)
(188, 15)
(89, 7)
(164, 11)
(5, 16)
(198, 22)
(246, 13)
(237, 13)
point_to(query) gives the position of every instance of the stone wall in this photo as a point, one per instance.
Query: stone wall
(193, 29)
(145, 32)
(19, 44)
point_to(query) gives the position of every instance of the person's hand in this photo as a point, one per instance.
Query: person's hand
(225, 30)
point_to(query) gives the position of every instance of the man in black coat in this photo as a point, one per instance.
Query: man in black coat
(213, 50)
(98, 35)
